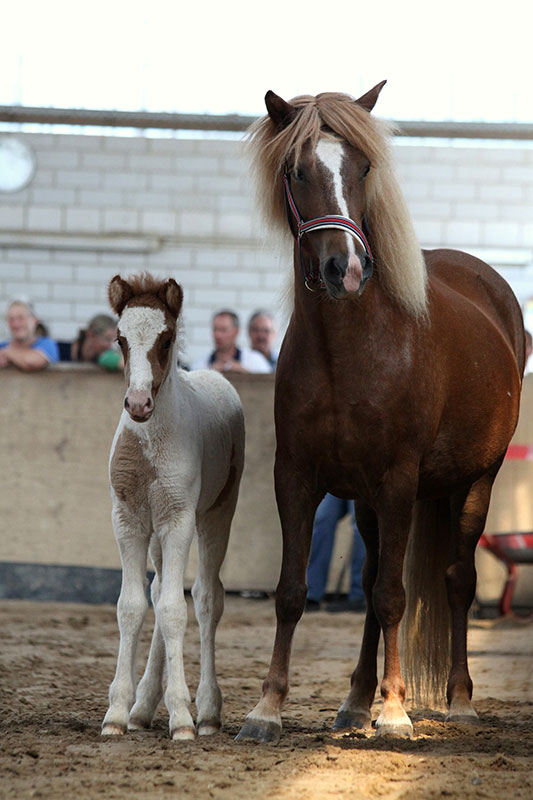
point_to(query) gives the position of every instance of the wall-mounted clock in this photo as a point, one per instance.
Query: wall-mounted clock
(17, 164)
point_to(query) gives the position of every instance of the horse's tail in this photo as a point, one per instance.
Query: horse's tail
(425, 630)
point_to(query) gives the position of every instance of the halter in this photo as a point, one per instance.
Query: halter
(313, 280)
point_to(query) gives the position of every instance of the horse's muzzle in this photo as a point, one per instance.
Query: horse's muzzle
(346, 276)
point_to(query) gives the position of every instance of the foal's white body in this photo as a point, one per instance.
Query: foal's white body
(171, 476)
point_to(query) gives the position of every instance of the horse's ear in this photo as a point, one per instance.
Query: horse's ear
(369, 99)
(171, 294)
(119, 293)
(280, 112)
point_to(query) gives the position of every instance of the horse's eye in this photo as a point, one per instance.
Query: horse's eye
(167, 344)
(366, 171)
(297, 174)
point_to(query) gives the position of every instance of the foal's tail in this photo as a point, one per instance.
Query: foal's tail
(425, 630)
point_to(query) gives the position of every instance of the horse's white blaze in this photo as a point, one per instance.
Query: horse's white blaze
(331, 153)
(141, 326)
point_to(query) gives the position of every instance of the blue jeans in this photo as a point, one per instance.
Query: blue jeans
(328, 514)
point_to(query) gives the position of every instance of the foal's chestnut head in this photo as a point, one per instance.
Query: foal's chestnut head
(148, 312)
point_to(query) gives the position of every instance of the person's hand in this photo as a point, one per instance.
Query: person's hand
(4, 358)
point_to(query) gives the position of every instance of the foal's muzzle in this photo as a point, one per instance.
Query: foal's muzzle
(139, 405)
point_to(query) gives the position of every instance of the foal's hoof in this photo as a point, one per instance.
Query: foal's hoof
(257, 730)
(207, 727)
(183, 734)
(135, 724)
(347, 721)
(403, 731)
(112, 729)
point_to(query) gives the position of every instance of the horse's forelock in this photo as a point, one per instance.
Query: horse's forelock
(393, 239)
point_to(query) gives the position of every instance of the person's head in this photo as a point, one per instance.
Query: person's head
(100, 334)
(225, 330)
(262, 331)
(22, 321)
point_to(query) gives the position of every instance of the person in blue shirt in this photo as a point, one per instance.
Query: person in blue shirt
(25, 349)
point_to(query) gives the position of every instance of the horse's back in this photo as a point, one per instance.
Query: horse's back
(482, 287)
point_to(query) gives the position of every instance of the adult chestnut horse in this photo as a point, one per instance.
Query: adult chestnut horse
(398, 384)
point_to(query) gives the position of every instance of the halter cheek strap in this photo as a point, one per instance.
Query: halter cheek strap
(299, 228)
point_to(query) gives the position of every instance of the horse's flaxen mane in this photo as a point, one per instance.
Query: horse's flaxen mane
(398, 258)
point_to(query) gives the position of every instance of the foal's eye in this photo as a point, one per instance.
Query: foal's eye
(366, 171)
(297, 174)
(167, 344)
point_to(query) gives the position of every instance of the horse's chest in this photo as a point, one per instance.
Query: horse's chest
(132, 471)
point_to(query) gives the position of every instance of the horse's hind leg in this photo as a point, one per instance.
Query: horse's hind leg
(468, 521)
(150, 688)
(131, 609)
(208, 596)
(355, 711)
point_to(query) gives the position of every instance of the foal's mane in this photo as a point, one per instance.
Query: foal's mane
(145, 283)
(398, 258)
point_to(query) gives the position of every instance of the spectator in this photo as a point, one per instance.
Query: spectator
(25, 349)
(262, 333)
(95, 344)
(328, 514)
(227, 356)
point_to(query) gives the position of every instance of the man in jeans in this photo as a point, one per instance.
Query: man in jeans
(328, 514)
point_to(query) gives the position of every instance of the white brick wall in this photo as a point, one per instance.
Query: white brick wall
(101, 205)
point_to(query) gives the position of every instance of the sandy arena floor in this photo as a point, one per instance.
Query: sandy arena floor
(57, 660)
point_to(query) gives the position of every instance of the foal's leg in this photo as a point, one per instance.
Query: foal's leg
(150, 688)
(208, 596)
(468, 522)
(171, 616)
(296, 506)
(131, 608)
(355, 711)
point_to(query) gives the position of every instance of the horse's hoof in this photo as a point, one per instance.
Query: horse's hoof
(346, 721)
(207, 727)
(257, 730)
(403, 731)
(135, 724)
(471, 719)
(112, 729)
(183, 734)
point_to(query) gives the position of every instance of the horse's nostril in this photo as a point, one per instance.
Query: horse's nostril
(335, 269)
(126, 404)
(149, 402)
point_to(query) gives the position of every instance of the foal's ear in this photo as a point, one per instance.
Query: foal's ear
(369, 99)
(171, 294)
(119, 293)
(280, 112)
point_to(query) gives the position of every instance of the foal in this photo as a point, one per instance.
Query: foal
(175, 468)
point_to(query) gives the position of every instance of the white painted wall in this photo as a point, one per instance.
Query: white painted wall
(99, 205)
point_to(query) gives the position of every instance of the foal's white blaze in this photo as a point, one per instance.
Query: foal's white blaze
(141, 326)
(330, 153)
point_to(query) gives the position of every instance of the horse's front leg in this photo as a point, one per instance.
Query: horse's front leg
(355, 711)
(132, 538)
(171, 616)
(388, 598)
(296, 506)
